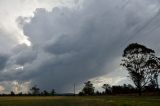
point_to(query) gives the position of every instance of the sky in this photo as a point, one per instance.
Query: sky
(59, 43)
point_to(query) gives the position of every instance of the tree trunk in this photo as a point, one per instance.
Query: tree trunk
(139, 91)
(157, 86)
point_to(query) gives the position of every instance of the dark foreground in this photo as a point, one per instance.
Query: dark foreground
(81, 101)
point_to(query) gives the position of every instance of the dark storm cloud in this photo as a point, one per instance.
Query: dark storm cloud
(24, 54)
(72, 45)
(78, 43)
(3, 61)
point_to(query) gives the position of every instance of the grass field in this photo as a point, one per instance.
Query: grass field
(80, 101)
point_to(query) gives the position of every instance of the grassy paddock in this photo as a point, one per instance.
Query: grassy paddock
(81, 101)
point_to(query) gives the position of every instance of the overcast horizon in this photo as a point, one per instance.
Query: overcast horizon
(55, 44)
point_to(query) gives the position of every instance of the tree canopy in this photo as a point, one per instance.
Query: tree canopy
(135, 58)
(88, 88)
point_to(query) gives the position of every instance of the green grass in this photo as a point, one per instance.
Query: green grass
(81, 101)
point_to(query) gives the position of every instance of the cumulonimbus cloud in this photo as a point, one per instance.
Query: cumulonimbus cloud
(72, 45)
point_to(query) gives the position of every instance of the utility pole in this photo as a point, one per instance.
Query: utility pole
(74, 89)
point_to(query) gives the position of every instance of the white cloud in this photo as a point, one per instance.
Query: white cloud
(2, 88)
(11, 10)
(20, 87)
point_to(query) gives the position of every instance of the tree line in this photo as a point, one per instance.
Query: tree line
(89, 89)
(34, 91)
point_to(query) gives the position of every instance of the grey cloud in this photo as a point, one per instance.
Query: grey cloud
(3, 61)
(7, 41)
(25, 54)
(72, 45)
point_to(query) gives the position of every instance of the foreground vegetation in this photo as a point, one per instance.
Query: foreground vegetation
(80, 101)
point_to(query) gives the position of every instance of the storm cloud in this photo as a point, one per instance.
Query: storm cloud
(73, 44)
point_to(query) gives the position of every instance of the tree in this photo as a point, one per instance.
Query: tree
(20, 94)
(154, 69)
(12, 93)
(98, 93)
(53, 92)
(35, 90)
(45, 93)
(107, 88)
(88, 88)
(135, 57)
(81, 94)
